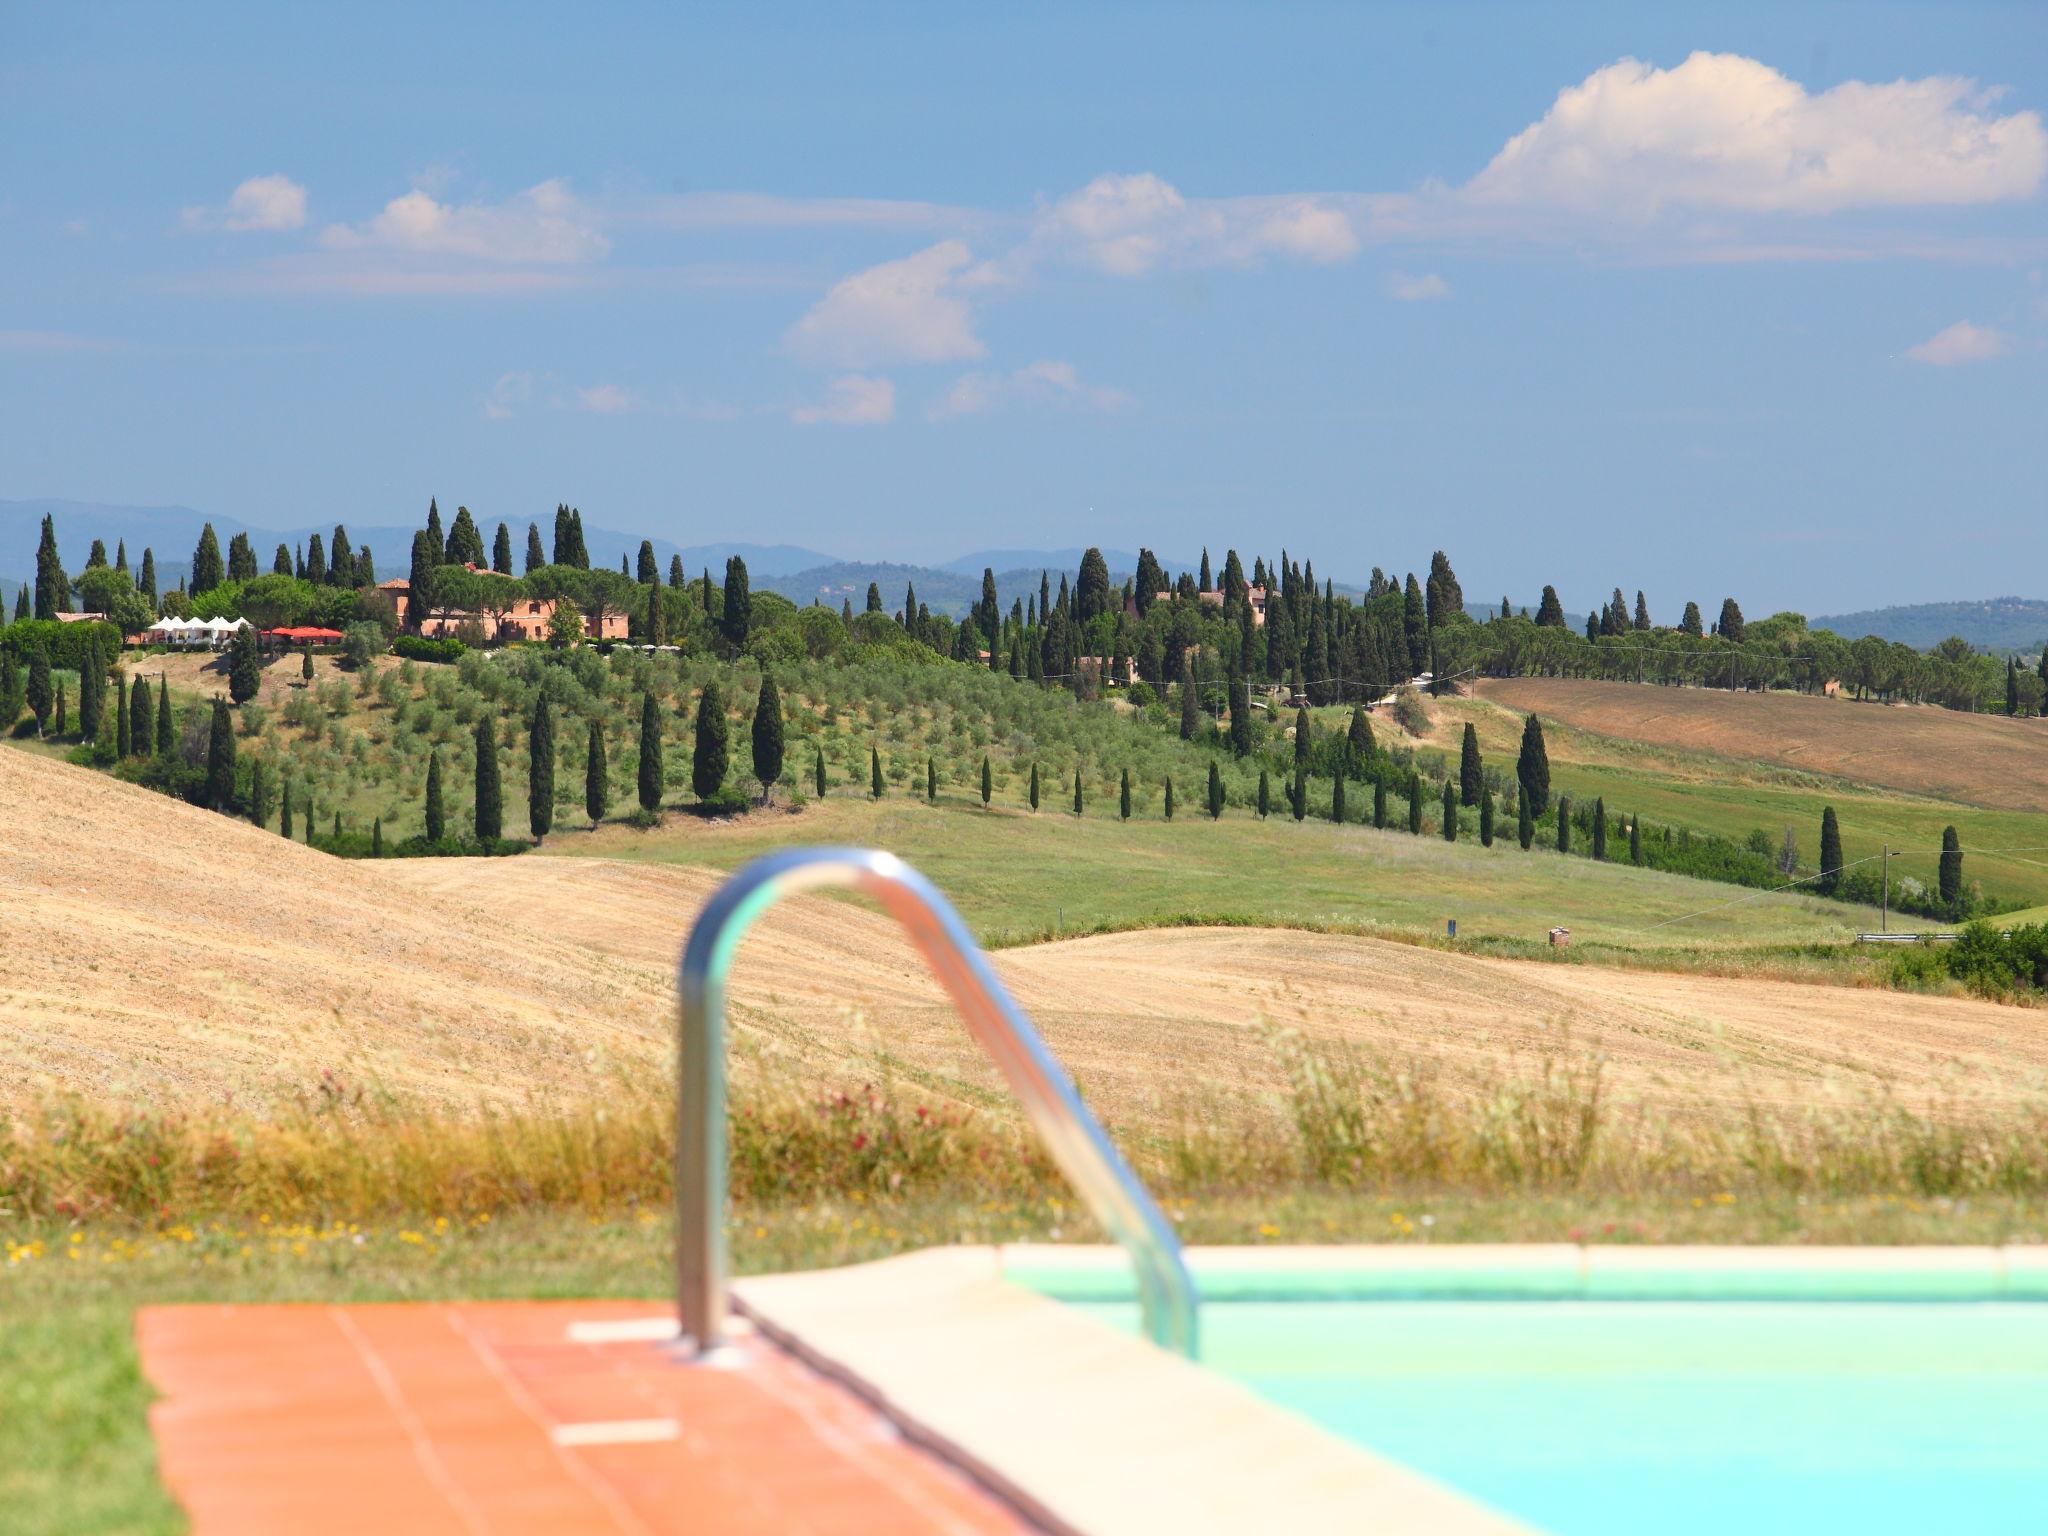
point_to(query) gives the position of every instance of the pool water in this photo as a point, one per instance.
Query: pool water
(1592, 1417)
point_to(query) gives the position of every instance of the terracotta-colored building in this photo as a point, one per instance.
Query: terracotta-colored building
(526, 618)
(1256, 596)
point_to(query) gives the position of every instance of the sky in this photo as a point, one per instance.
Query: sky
(1703, 300)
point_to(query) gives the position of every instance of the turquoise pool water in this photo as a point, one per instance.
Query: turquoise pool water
(1589, 1417)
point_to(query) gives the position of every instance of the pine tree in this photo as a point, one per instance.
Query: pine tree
(1337, 800)
(1564, 824)
(1450, 812)
(540, 769)
(1635, 839)
(220, 758)
(1951, 885)
(501, 551)
(1600, 830)
(1415, 805)
(767, 735)
(987, 782)
(1830, 853)
(1486, 818)
(1034, 786)
(1123, 799)
(1532, 768)
(1471, 774)
(1215, 791)
(40, 695)
(875, 786)
(490, 795)
(1525, 824)
(1379, 804)
(1169, 797)
(377, 838)
(597, 777)
(711, 753)
(51, 583)
(163, 716)
(245, 667)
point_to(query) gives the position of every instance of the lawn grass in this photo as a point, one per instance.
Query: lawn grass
(76, 1458)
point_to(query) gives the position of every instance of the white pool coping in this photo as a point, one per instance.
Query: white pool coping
(1091, 1432)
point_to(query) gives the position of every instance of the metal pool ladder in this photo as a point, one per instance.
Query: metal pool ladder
(1166, 1294)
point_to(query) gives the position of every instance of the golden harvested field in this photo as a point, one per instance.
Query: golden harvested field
(155, 952)
(1983, 760)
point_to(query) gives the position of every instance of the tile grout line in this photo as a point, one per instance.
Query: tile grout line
(422, 1444)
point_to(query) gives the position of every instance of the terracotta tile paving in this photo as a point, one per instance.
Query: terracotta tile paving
(487, 1417)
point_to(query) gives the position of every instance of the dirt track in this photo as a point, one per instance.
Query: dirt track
(1983, 760)
(152, 951)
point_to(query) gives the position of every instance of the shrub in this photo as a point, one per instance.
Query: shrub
(419, 648)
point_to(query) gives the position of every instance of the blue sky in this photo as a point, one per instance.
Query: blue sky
(1704, 300)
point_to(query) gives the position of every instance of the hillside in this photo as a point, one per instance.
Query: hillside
(1998, 624)
(209, 959)
(1985, 760)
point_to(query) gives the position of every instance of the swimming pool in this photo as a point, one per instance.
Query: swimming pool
(1642, 1393)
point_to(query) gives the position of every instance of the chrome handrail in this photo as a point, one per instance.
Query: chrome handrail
(1166, 1294)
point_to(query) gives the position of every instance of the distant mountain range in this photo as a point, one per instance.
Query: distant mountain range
(1997, 624)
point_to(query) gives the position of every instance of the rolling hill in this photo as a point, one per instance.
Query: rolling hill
(1995, 624)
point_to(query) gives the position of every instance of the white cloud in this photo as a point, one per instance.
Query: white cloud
(1959, 343)
(1414, 290)
(268, 203)
(760, 210)
(545, 223)
(909, 310)
(510, 392)
(1046, 381)
(851, 400)
(1127, 225)
(606, 399)
(1725, 132)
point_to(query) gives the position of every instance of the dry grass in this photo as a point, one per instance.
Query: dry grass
(1982, 760)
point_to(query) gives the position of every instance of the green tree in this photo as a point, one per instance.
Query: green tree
(1297, 795)
(138, 718)
(1415, 805)
(220, 758)
(437, 820)
(1123, 799)
(987, 782)
(145, 578)
(1337, 798)
(164, 730)
(1190, 710)
(656, 626)
(931, 781)
(1600, 830)
(306, 665)
(62, 719)
(1635, 837)
(51, 584)
(245, 666)
(259, 793)
(875, 786)
(1564, 824)
(737, 612)
(40, 694)
(1532, 767)
(767, 740)
(1830, 853)
(284, 814)
(1077, 791)
(1265, 795)
(540, 769)
(1034, 786)
(207, 570)
(1241, 714)
(818, 772)
(1304, 737)
(1450, 812)
(1951, 870)
(501, 551)
(1525, 824)
(597, 776)
(1358, 742)
(1486, 818)
(490, 794)
(1169, 797)
(653, 778)
(92, 686)
(124, 742)
(465, 541)
(1215, 791)
(377, 831)
(711, 754)
(13, 690)
(1471, 772)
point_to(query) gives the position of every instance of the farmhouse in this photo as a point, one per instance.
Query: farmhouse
(522, 618)
(1256, 596)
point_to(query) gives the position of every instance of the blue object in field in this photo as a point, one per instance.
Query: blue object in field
(1451, 928)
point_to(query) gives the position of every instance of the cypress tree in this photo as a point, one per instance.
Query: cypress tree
(206, 562)
(490, 796)
(145, 578)
(711, 753)
(875, 776)
(280, 560)
(138, 718)
(92, 687)
(657, 611)
(767, 736)
(675, 571)
(335, 835)
(39, 690)
(1830, 853)
(1600, 830)
(123, 742)
(1635, 839)
(1564, 824)
(1471, 773)
(284, 815)
(1215, 791)
(51, 584)
(501, 551)
(987, 783)
(377, 835)
(13, 690)
(1123, 799)
(931, 781)
(646, 569)
(1379, 804)
(306, 665)
(1486, 818)
(1450, 812)
(536, 557)
(163, 715)
(21, 606)
(1034, 786)
(1190, 716)
(465, 542)
(1265, 795)
(818, 771)
(653, 778)
(738, 609)
(1304, 737)
(1951, 869)
(1358, 742)
(1297, 798)
(1532, 768)
(1525, 824)
(1241, 714)
(597, 778)
(437, 821)
(220, 758)
(1169, 797)
(1415, 805)
(1077, 791)
(540, 769)
(62, 720)
(245, 667)
(316, 561)
(310, 818)
(1337, 800)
